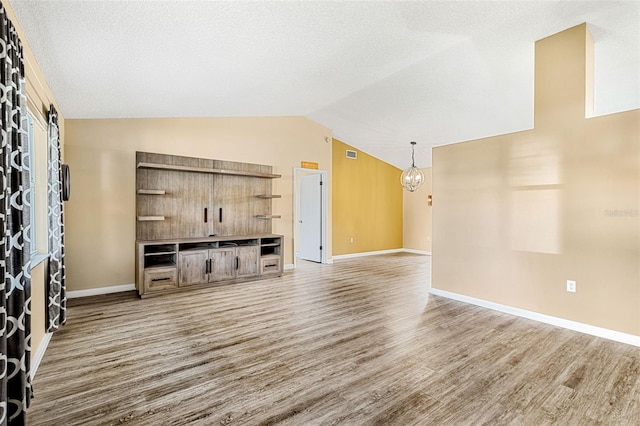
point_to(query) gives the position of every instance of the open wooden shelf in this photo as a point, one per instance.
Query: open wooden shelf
(165, 264)
(150, 218)
(152, 191)
(160, 253)
(158, 166)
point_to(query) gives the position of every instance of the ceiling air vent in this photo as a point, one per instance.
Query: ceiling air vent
(352, 154)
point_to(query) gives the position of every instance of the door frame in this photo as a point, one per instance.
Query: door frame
(297, 175)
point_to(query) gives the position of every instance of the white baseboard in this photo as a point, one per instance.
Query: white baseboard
(617, 336)
(289, 266)
(40, 354)
(375, 253)
(101, 290)
(366, 253)
(426, 253)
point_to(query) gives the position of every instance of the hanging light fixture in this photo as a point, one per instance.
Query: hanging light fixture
(412, 178)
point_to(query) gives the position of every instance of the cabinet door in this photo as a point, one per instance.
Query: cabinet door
(237, 196)
(223, 264)
(193, 267)
(230, 200)
(247, 262)
(191, 194)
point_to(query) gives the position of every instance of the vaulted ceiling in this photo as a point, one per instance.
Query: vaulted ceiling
(378, 73)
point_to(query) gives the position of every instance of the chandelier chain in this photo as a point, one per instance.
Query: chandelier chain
(413, 155)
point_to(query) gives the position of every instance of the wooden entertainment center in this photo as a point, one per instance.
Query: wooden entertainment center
(203, 222)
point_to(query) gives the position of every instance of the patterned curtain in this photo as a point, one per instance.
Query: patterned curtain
(56, 288)
(15, 290)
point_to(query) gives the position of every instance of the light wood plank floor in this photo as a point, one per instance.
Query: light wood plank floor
(359, 342)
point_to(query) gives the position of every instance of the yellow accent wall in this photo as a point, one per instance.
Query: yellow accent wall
(367, 203)
(417, 216)
(516, 216)
(101, 214)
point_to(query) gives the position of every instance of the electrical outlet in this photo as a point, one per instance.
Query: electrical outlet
(571, 286)
(351, 240)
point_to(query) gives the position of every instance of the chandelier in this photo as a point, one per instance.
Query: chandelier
(412, 178)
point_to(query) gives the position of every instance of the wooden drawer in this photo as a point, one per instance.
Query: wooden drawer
(160, 278)
(270, 265)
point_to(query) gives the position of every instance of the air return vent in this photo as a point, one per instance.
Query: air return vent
(352, 154)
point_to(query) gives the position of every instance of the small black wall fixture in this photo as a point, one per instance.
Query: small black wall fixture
(66, 182)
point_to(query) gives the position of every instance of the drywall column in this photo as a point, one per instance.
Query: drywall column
(516, 216)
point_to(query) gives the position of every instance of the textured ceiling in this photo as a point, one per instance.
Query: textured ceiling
(378, 73)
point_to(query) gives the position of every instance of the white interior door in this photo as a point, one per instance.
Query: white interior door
(311, 217)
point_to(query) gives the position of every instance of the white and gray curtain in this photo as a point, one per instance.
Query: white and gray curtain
(56, 287)
(15, 290)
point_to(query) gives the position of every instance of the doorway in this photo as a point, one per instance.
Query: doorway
(310, 199)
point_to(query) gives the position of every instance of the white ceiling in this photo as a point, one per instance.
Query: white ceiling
(378, 73)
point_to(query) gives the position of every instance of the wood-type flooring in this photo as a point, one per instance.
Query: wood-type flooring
(359, 342)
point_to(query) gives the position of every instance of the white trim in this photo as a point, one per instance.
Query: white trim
(375, 253)
(37, 259)
(617, 336)
(40, 354)
(289, 266)
(366, 253)
(101, 290)
(426, 253)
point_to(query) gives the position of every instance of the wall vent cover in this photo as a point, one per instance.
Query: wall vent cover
(352, 154)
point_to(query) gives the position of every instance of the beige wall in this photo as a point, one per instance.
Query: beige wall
(417, 216)
(101, 212)
(367, 203)
(517, 215)
(39, 97)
